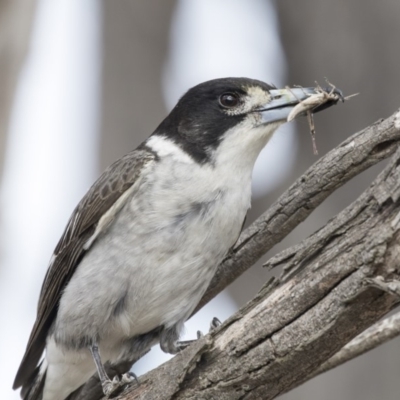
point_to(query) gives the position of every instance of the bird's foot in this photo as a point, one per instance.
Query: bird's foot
(183, 344)
(214, 324)
(111, 387)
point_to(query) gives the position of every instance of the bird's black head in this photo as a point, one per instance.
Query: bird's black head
(241, 111)
(208, 110)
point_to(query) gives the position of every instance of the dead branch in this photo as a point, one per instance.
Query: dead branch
(374, 336)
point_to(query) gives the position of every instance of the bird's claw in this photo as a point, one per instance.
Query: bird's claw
(215, 323)
(129, 377)
(112, 386)
(182, 345)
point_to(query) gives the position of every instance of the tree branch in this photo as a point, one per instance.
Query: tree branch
(377, 334)
(324, 297)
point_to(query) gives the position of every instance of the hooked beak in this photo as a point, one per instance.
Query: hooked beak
(284, 100)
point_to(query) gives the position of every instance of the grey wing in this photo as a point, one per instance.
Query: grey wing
(92, 215)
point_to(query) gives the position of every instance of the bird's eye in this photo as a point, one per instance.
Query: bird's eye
(229, 100)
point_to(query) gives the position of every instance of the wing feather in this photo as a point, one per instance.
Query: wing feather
(100, 198)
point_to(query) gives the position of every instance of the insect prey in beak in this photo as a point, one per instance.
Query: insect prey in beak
(307, 106)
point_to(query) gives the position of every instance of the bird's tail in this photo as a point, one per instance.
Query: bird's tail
(33, 388)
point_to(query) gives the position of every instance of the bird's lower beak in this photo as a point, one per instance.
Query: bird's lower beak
(283, 102)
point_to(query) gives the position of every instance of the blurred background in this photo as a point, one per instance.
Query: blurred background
(84, 82)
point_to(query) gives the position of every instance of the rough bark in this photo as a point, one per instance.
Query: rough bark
(374, 336)
(333, 285)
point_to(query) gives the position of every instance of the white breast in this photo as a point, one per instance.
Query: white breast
(155, 261)
(184, 222)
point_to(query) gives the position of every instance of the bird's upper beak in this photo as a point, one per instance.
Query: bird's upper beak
(284, 100)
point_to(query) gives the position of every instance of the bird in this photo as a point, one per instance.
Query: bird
(143, 244)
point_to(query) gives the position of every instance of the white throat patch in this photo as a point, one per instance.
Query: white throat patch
(242, 144)
(165, 147)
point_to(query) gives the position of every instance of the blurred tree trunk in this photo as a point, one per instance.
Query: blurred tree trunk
(135, 39)
(353, 44)
(16, 18)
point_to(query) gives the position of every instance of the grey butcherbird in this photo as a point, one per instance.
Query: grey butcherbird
(142, 246)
